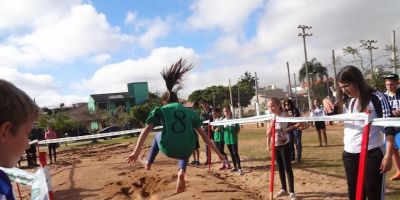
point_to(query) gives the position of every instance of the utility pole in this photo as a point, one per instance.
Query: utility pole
(240, 108)
(290, 84)
(334, 70)
(394, 52)
(230, 95)
(295, 89)
(304, 35)
(257, 103)
(368, 45)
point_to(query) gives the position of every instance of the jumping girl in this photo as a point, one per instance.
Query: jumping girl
(176, 139)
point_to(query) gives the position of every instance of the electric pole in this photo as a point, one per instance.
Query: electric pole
(295, 89)
(368, 45)
(290, 84)
(230, 95)
(334, 70)
(256, 86)
(304, 35)
(240, 108)
(394, 49)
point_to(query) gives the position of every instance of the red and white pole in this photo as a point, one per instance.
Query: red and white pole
(363, 158)
(208, 147)
(43, 164)
(272, 171)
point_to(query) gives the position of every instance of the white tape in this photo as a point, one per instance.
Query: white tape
(100, 135)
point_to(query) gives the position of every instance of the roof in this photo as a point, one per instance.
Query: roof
(106, 97)
(79, 112)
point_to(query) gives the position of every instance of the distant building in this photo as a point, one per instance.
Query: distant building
(137, 94)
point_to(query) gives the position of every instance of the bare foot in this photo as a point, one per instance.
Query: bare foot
(180, 182)
(145, 163)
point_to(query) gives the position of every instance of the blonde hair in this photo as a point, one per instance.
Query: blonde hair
(16, 106)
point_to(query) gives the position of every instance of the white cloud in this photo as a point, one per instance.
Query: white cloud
(229, 15)
(19, 14)
(130, 18)
(81, 32)
(41, 87)
(142, 69)
(100, 58)
(155, 29)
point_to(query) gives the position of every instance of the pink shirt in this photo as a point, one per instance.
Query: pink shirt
(50, 135)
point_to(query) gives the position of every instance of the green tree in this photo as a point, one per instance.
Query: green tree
(139, 113)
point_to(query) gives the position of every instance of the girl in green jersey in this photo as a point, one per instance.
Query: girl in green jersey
(176, 139)
(231, 140)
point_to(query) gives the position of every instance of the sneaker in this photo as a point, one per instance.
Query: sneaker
(281, 193)
(197, 163)
(292, 196)
(193, 162)
(223, 167)
(240, 171)
(234, 170)
(396, 177)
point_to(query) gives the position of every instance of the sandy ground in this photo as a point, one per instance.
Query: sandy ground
(100, 172)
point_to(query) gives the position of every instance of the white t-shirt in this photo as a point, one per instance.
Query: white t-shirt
(353, 130)
(281, 136)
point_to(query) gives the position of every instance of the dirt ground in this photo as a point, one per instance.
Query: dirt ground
(100, 172)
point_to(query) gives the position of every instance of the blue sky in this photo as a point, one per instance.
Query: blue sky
(63, 51)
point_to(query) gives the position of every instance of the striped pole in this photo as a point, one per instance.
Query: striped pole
(363, 158)
(43, 164)
(208, 147)
(272, 171)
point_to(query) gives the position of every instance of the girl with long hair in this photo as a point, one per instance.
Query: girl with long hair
(176, 139)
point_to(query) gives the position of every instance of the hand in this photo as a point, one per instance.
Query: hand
(328, 105)
(132, 158)
(386, 164)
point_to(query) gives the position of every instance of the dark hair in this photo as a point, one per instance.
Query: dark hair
(173, 76)
(317, 100)
(290, 102)
(216, 110)
(353, 75)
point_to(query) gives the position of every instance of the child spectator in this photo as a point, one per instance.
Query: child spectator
(231, 140)
(17, 114)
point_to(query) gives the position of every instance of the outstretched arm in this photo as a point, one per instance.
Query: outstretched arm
(386, 164)
(209, 143)
(143, 135)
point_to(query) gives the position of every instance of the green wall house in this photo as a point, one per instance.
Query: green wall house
(137, 94)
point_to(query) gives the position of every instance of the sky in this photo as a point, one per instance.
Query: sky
(63, 51)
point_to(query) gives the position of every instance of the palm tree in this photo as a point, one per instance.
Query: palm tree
(315, 70)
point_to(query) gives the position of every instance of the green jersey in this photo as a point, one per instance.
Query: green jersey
(219, 135)
(177, 138)
(231, 133)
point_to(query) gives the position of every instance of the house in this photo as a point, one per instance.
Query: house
(137, 94)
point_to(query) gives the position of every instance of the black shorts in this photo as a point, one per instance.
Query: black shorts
(320, 125)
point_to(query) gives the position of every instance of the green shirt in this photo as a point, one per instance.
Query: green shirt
(177, 138)
(219, 135)
(231, 133)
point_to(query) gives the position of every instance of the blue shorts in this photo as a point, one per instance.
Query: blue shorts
(396, 144)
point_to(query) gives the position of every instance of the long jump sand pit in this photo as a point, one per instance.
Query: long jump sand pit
(99, 171)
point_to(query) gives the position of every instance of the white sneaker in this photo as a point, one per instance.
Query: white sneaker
(281, 193)
(292, 196)
(240, 171)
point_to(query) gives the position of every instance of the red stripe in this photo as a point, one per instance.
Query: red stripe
(362, 161)
(271, 183)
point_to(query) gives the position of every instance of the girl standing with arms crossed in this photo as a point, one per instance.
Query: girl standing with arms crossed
(176, 139)
(356, 96)
(282, 149)
(231, 140)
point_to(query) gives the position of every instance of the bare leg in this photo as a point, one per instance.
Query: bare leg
(396, 161)
(180, 182)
